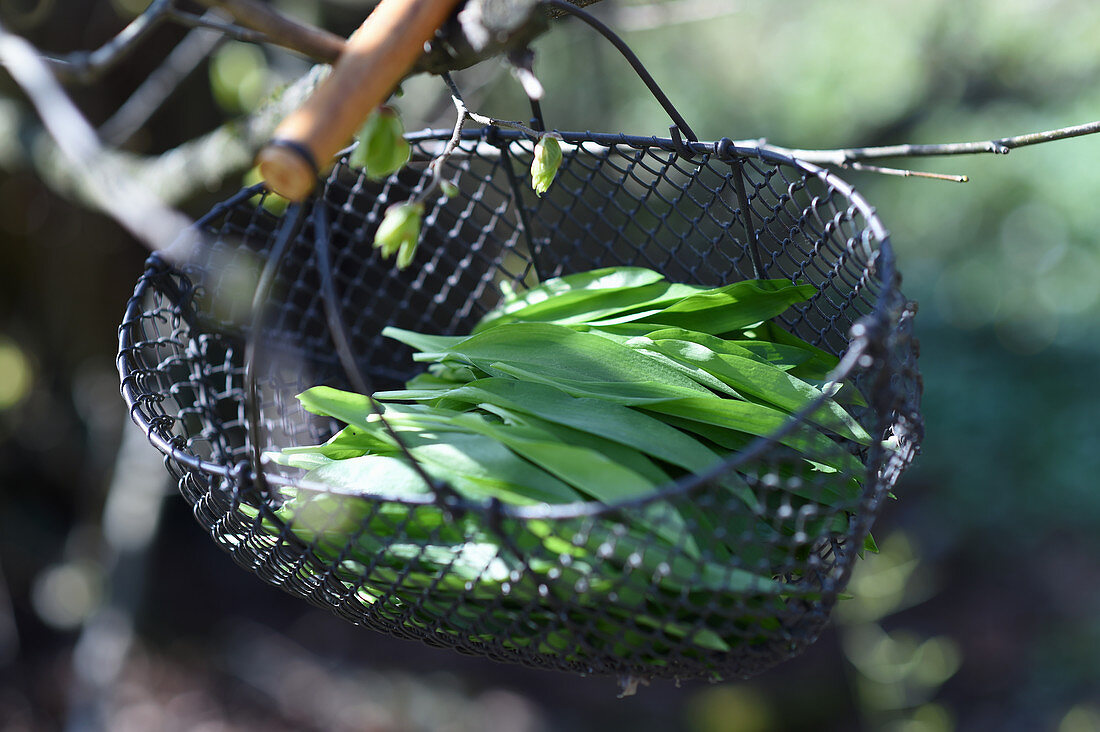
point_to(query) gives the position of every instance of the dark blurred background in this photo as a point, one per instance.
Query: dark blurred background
(982, 611)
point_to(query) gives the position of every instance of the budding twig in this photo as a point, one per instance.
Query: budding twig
(850, 157)
(464, 113)
(436, 166)
(1001, 146)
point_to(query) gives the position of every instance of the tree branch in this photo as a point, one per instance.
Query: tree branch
(212, 20)
(85, 67)
(1000, 146)
(281, 30)
(159, 85)
(906, 173)
(101, 178)
(205, 162)
(464, 112)
(483, 29)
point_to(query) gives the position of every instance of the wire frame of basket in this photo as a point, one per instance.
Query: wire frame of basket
(720, 574)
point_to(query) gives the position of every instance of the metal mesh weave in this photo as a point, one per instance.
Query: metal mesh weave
(581, 587)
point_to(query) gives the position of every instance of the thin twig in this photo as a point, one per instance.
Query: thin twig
(1000, 146)
(147, 218)
(456, 95)
(296, 35)
(159, 85)
(905, 173)
(464, 113)
(86, 66)
(436, 166)
(208, 22)
(494, 122)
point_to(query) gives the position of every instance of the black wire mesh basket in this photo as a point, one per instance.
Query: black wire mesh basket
(190, 342)
(720, 572)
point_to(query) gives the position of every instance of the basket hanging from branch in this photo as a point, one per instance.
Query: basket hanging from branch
(722, 571)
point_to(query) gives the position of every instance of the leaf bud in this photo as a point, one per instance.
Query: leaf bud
(382, 149)
(399, 231)
(545, 164)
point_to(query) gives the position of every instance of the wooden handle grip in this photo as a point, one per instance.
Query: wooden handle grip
(377, 56)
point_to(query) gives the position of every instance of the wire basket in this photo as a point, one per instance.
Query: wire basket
(190, 343)
(697, 580)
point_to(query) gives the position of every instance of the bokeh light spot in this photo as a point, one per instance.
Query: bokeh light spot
(16, 374)
(65, 594)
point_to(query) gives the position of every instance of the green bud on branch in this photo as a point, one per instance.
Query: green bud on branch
(545, 164)
(450, 190)
(399, 232)
(382, 149)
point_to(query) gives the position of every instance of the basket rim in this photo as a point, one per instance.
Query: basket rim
(158, 265)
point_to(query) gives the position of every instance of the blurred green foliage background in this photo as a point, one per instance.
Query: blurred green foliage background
(983, 610)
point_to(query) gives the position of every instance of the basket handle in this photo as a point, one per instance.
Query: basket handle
(375, 59)
(679, 124)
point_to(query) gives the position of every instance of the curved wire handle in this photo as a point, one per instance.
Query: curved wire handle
(680, 126)
(724, 149)
(339, 334)
(287, 233)
(292, 224)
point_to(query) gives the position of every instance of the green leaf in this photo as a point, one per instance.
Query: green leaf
(571, 288)
(423, 341)
(761, 421)
(597, 474)
(583, 306)
(624, 455)
(476, 466)
(348, 407)
(734, 306)
(766, 383)
(817, 366)
(784, 357)
(620, 392)
(449, 189)
(555, 351)
(595, 416)
(699, 375)
(480, 467)
(371, 474)
(587, 470)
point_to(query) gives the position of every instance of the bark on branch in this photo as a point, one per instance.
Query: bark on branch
(480, 30)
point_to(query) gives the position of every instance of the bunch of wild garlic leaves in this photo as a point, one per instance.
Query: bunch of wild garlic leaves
(603, 386)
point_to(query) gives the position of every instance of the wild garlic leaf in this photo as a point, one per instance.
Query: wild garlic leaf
(555, 351)
(606, 278)
(761, 421)
(632, 393)
(765, 382)
(612, 421)
(734, 306)
(817, 366)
